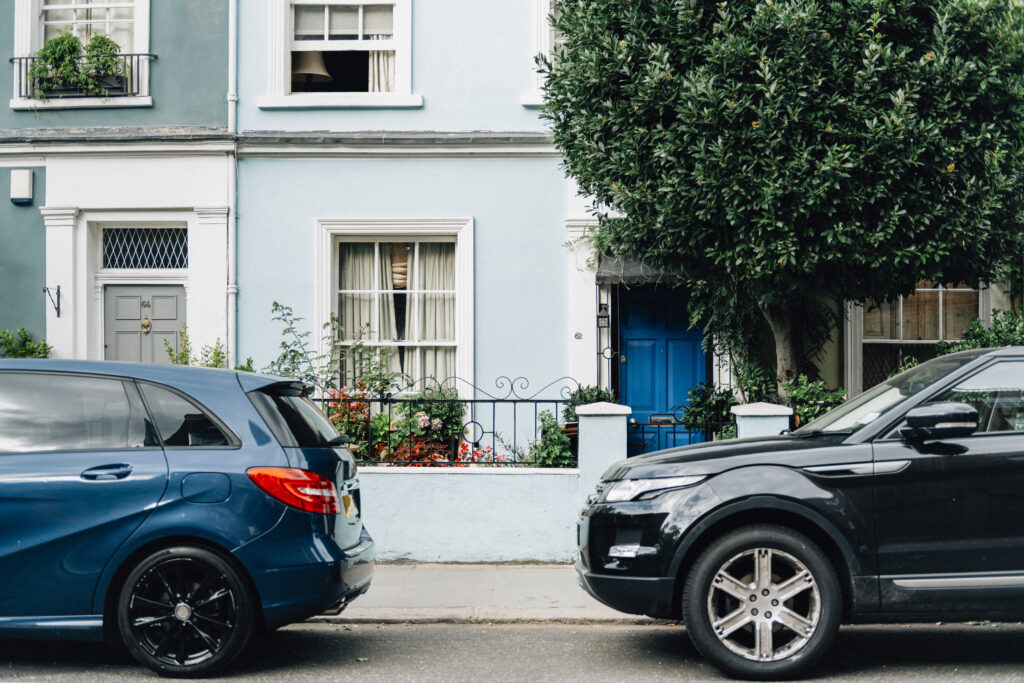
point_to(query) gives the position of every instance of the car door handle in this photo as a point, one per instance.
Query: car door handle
(107, 472)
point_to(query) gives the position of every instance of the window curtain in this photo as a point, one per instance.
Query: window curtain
(382, 67)
(355, 309)
(437, 310)
(388, 328)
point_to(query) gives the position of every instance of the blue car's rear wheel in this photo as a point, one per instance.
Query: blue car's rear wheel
(185, 612)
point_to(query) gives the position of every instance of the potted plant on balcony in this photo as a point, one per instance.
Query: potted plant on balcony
(104, 67)
(56, 69)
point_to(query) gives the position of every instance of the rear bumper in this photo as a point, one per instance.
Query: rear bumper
(295, 593)
(652, 596)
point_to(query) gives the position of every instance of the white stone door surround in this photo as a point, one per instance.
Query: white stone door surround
(74, 263)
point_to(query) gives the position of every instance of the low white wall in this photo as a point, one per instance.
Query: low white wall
(490, 514)
(471, 514)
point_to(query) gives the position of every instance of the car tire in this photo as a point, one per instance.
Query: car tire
(185, 612)
(762, 602)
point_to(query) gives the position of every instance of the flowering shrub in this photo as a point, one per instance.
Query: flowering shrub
(467, 456)
(349, 412)
(442, 408)
(418, 451)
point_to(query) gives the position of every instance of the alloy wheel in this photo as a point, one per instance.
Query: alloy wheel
(764, 604)
(185, 612)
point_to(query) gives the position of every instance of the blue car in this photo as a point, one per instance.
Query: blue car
(180, 509)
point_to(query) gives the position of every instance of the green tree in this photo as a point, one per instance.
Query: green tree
(783, 155)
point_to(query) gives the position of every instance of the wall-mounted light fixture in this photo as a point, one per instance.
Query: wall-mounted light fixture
(604, 318)
(21, 186)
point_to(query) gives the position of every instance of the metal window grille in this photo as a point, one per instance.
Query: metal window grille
(145, 248)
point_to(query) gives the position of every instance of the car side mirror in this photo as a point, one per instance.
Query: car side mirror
(940, 421)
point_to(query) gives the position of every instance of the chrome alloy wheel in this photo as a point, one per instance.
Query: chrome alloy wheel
(764, 604)
(182, 611)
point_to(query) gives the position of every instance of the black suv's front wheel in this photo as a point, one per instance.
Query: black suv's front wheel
(762, 602)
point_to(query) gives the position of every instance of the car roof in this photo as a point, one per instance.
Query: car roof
(166, 374)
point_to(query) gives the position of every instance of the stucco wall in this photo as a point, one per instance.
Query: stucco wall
(188, 80)
(472, 62)
(520, 264)
(471, 515)
(483, 514)
(22, 256)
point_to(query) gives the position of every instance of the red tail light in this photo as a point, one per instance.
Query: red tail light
(298, 488)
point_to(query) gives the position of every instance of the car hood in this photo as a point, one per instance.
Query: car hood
(718, 456)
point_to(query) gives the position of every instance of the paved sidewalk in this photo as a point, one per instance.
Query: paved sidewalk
(466, 593)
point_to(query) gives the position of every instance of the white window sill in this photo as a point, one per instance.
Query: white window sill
(533, 99)
(19, 104)
(340, 101)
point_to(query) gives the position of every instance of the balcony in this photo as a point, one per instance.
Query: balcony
(131, 88)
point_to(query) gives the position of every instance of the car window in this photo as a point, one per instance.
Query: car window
(180, 421)
(293, 418)
(57, 412)
(870, 405)
(997, 393)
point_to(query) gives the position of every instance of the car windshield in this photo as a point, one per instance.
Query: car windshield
(867, 407)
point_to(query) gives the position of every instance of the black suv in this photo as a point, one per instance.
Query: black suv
(903, 504)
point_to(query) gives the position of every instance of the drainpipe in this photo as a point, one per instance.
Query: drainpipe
(232, 340)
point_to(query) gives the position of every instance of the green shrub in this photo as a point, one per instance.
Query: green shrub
(19, 344)
(708, 407)
(552, 449)
(1007, 329)
(210, 356)
(103, 58)
(442, 408)
(812, 399)
(57, 64)
(583, 396)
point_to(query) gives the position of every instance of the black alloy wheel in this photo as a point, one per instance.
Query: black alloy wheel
(185, 612)
(762, 602)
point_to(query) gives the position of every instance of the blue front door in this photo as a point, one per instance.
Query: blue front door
(660, 360)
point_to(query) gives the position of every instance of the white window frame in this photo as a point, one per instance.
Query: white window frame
(543, 44)
(331, 231)
(854, 339)
(28, 38)
(279, 41)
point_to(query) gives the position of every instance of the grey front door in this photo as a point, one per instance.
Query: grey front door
(140, 320)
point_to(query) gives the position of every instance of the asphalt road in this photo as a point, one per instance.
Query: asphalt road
(543, 652)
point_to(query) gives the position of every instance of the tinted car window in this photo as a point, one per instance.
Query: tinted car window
(294, 419)
(54, 412)
(180, 421)
(996, 393)
(867, 407)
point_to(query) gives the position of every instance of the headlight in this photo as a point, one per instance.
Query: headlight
(631, 489)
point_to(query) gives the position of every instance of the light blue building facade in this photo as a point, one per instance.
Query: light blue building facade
(445, 155)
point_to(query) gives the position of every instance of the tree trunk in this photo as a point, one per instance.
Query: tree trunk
(786, 331)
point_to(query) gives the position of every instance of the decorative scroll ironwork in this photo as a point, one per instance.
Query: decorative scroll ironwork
(429, 423)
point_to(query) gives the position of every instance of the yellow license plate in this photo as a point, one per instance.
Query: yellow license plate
(349, 503)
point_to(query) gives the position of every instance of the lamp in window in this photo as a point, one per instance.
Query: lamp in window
(604, 318)
(308, 67)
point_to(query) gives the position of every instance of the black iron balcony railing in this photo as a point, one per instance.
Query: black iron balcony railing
(127, 83)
